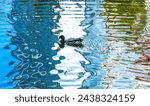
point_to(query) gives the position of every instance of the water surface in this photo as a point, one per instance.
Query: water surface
(115, 52)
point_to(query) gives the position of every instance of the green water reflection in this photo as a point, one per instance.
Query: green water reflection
(126, 19)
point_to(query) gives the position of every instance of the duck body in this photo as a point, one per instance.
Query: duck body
(76, 42)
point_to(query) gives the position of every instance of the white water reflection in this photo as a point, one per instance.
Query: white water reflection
(71, 16)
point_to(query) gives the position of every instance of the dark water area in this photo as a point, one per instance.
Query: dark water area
(115, 52)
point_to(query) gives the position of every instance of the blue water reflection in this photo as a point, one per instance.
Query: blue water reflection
(95, 41)
(33, 22)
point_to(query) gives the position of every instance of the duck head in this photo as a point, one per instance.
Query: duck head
(61, 41)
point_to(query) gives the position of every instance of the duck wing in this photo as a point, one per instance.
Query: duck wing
(77, 42)
(74, 40)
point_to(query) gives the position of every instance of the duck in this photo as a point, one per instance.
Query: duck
(75, 42)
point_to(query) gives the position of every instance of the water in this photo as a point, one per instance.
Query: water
(116, 39)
